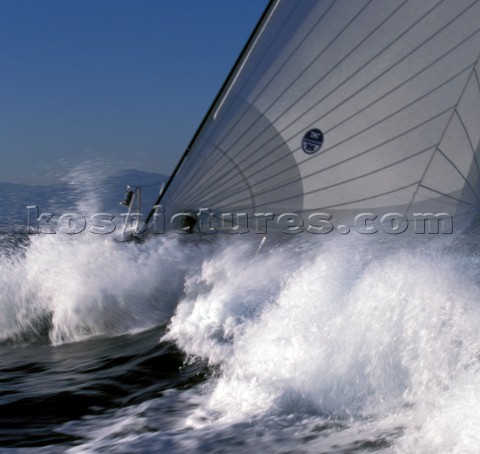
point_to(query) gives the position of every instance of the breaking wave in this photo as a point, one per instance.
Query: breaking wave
(374, 335)
(350, 330)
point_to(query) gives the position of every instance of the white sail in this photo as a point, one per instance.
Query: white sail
(341, 107)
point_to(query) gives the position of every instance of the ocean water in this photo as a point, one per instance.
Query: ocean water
(344, 343)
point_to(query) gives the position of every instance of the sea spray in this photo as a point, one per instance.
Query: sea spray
(59, 288)
(89, 285)
(352, 329)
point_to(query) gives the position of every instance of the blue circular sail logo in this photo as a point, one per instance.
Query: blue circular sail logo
(312, 141)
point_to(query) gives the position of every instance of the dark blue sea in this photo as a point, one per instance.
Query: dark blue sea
(340, 344)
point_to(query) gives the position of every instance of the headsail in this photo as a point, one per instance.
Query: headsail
(341, 107)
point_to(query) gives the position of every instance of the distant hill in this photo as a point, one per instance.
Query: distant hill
(98, 195)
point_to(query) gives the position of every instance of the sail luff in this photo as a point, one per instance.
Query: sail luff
(246, 146)
(208, 188)
(270, 7)
(268, 13)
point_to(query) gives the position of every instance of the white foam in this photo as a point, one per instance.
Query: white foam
(77, 286)
(353, 330)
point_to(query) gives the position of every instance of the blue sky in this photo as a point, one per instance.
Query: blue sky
(122, 82)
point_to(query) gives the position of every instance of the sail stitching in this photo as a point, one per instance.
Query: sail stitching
(391, 192)
(367, 198)
(366, 129)
(386, 193)
(393, 114)
(376, 196)
(384, 72)
(260, 33)
(228, 108)
(325, 75)
(340, 33)
(375, 147)
(359, 177)
(469, 140)
(354, 18)
(444, 195)
(372, 81)
(239, 170)
(369, 127)
(453, 113)
(443, 133)
(309, 65)
(458, 171)
(364, 108)
(476, 77)
(344, 81)
(292, 53)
